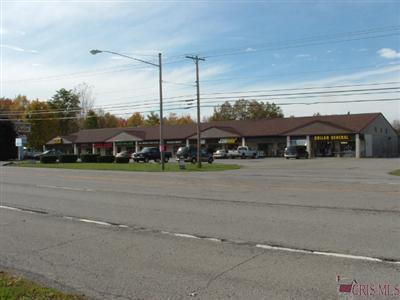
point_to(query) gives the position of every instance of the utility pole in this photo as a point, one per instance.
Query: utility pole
(196, 60)
(161, 115)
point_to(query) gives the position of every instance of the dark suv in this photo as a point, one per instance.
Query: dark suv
(150, 153)
(190, 154)
(296, 152)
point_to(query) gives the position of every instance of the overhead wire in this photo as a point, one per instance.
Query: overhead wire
(299, 40)
(317, 92)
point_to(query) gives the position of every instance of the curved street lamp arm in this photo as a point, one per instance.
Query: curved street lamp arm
(94, 52)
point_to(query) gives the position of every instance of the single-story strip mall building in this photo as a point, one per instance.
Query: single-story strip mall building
(353, 135)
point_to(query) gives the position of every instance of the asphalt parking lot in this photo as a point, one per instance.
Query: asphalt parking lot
(275, 229)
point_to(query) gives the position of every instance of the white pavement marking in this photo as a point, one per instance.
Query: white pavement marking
(262, 246)
(184, 235)
(213, 239)
(333, 254)
(10, 208)
(64, 188)
(95, 222)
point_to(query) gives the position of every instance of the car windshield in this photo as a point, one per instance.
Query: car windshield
(181, 150)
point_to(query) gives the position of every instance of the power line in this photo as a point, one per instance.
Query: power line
(241, 94)
(186, 108)
(292, 73)
(214, 102)
(306, 39)
(258, 91)
(304, 93)
(324, 102)
(75, 118)
(309, 42)
(335, 93)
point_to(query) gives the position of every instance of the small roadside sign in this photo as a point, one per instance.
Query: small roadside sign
(22, 127)
(18, 142)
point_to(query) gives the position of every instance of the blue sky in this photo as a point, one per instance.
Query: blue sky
(44, 39)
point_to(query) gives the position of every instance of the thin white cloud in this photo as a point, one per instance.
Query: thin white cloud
(303, 55)
(355, 77)
(20, 32)
(388, 53)
(249, 49)
(116, 57)
(16, 48)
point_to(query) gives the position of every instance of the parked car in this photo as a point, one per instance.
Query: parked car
(30, 153)
(189, 154)
(242, 152)
(296, 152)
(124, 154)
(150, 153)
(220, 153)
(48, 152)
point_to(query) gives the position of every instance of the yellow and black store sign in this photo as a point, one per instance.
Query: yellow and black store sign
(341, 137)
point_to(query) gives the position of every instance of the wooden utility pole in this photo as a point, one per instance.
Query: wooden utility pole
(196, 60)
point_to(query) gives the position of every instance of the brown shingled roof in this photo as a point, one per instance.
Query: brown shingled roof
(353, 123)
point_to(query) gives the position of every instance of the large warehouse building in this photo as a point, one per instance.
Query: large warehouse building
(351, 135)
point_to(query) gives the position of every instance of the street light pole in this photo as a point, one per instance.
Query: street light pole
(196, 60)
(159, 66)
(161, 115)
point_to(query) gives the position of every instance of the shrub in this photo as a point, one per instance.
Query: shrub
(122, 160)
(89, 158)
(106, 159)
(68, 158)
(48, 159)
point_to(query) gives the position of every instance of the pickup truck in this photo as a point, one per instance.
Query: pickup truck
(242, 152)
(150, 153)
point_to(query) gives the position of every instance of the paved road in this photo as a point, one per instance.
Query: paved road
(198, 232)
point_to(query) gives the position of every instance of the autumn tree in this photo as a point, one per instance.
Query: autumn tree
(152, 119)
(41, 130)
(246, 110)
(67, 105)
(91, 120)
(19, 105)
(224, 112)
(173, 119)
(107, 120)
(135, 120)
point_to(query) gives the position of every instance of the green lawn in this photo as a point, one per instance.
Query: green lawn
(138, 167)
(17, 288)
(395, 172)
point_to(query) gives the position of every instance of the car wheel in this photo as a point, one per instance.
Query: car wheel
(166, 159)
(157, 160)
(243, 156)
(193, 160)
(146, 160)
(254, 155)
(287, 157)
(210, 160)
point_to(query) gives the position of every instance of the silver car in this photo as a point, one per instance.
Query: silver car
(220, 153)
